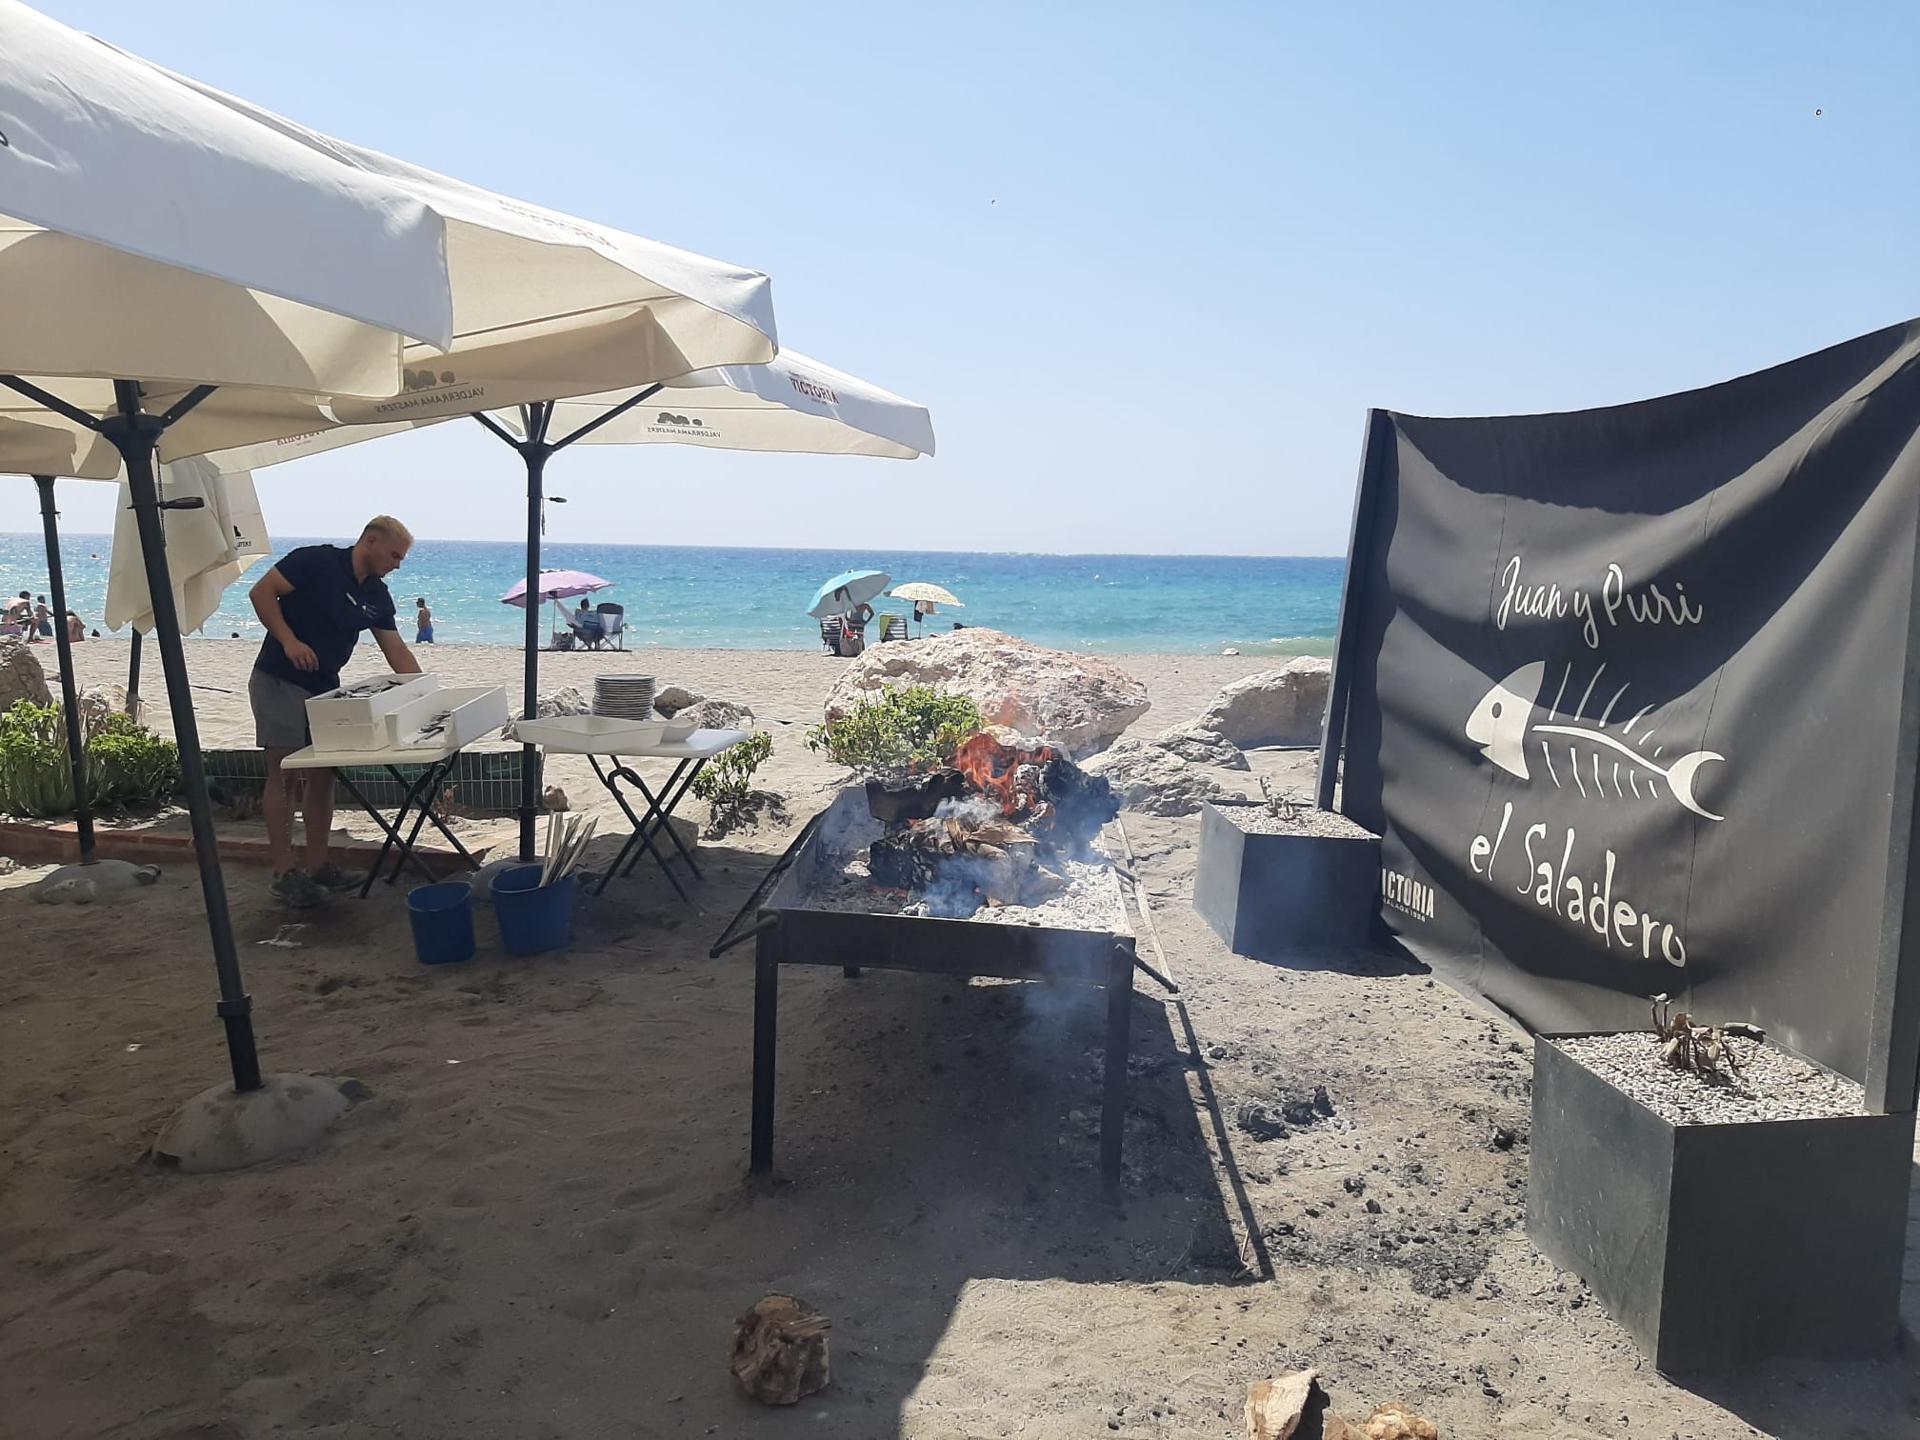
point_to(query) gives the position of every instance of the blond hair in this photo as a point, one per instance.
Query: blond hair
(389, 527)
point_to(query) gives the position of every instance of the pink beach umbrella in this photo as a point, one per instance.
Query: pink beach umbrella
(557, 585)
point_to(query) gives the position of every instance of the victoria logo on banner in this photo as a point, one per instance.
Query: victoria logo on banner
(1622, 689)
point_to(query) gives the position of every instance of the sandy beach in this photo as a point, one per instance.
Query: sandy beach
(538, 1226)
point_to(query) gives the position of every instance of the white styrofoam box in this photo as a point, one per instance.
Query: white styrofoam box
(354, 717)
(465, 713)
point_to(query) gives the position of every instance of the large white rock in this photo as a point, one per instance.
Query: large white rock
(1278, 707)
(21, 677)
(1074, 701)
(1153, 779)
(715, 714)
(1202, 747)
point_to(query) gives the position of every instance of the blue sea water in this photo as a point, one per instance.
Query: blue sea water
(756, 599)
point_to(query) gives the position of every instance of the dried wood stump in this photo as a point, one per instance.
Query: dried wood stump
(780, 1350)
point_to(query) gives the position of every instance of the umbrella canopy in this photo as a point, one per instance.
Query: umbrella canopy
(557, 585)
(208, 548)
(930, 594)
(152, 233)
(846, 590)
(545, 305)
(791, 403)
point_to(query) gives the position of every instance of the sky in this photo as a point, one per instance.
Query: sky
(1147, 266)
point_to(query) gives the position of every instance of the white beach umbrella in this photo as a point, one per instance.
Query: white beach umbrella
(148, 232)
(209, 546)
(545, 305)
(790, 404)
(160, 247)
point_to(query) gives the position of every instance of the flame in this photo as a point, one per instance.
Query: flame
(1009, 775)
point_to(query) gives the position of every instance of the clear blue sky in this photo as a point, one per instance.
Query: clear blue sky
(1148, 265)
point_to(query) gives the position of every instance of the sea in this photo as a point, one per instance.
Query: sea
(756, 599)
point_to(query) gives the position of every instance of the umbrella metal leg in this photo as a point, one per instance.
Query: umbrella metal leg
(133, 675)
(136, 435)
(534, 452)
(69, 690)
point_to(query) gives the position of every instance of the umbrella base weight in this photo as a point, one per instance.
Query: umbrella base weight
(225, 1129)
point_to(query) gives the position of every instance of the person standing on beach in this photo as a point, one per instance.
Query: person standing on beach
(315, 601)
(422, 622)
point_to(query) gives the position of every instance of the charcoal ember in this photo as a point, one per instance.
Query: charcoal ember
(896, 863)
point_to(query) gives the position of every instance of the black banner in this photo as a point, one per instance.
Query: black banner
(1624, 695)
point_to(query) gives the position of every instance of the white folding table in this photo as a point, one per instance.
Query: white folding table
(438, 756)
(594, 737)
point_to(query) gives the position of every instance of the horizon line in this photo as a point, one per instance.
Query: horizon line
(800, 549)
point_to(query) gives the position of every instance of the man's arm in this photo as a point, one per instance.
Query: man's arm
(400, 659)
(267, 593)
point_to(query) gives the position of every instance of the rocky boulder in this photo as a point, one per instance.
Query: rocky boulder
(675, 698)
(1074, 701)
(1203, 747)
(99, 701)
(1152, 779)
(716, 715)
(1278, 707)
(21, 677)
(567, 700)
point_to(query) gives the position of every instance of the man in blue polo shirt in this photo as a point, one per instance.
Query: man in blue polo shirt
(315, 601)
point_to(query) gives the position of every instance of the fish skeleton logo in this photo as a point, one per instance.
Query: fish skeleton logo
(667, 417)
(1509, 717)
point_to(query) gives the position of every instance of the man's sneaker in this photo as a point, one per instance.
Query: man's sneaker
(331, 877)
(295, 889)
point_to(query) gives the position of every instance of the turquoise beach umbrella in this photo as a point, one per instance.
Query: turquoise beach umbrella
(846, 590)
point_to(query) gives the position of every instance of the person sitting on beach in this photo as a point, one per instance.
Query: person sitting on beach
(76, 628)
(19, 614)
(315, 601)
(422, 622)
(42, 618)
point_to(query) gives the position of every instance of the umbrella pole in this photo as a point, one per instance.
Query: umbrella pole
(534, 451)
(69, 690)
(135, 435)
(133, 675)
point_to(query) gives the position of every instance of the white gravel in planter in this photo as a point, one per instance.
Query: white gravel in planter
(1306, 820)
(1775, 1085)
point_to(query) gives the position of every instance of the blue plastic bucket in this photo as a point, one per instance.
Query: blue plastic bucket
(533, 917)
(442, 919)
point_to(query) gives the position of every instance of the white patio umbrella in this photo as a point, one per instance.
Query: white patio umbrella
(157, 247)
(790, 404)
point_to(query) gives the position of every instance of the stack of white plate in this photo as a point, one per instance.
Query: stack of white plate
(623, 697)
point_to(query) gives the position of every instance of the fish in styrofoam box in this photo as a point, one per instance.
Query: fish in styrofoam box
(371, 714)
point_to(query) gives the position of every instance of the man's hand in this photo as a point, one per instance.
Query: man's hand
(301, 654)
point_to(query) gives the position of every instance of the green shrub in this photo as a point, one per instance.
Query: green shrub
(126, 764)
(130, 765)
(915, 728)
(727, 784)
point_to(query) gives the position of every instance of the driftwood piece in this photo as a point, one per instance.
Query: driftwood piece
(780, 1350)
(1387, 1422)
(1274, 1407)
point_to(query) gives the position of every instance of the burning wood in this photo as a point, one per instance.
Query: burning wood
(1000, 846)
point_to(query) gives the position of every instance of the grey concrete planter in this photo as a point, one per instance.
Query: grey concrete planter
(1269, 896)
(1720, 1245)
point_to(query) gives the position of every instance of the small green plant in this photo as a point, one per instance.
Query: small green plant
(130, 765)
(126, 764)
(727, 784)
(915, 728)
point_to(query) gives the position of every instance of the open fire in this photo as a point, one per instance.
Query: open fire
(994, 829)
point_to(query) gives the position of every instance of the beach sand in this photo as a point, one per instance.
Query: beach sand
(538, 1225)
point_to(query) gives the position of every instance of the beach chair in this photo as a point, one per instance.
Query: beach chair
(893, 627)
(613, 627)
(831, 630)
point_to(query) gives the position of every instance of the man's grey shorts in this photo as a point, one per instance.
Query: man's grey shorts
(279, 712)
